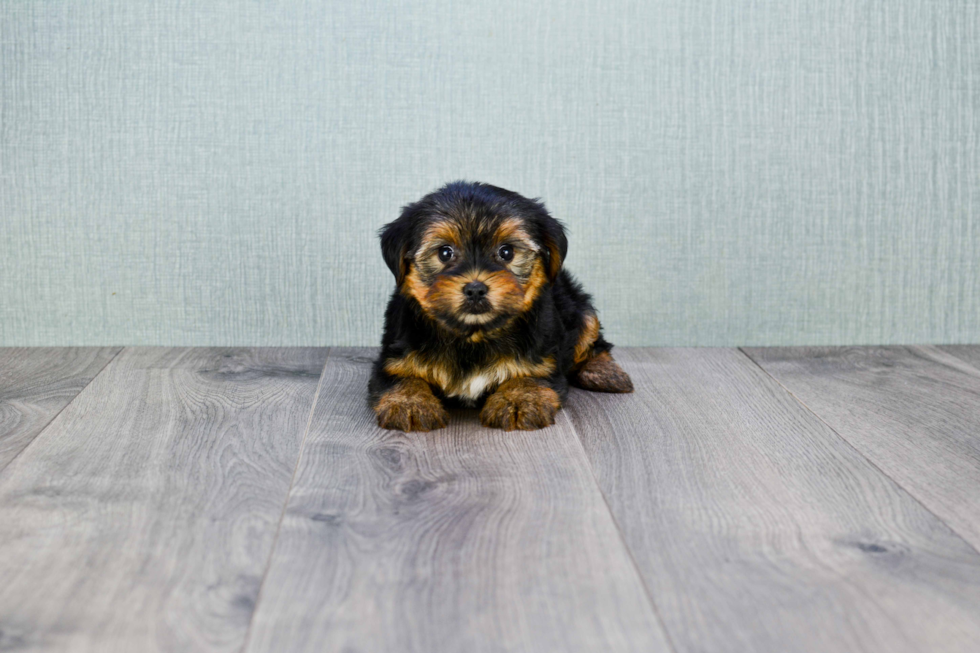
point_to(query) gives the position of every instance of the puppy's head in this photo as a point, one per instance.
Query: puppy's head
(474, 256)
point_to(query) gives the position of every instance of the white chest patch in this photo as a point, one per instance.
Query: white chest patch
(473, 387)
(486, 379)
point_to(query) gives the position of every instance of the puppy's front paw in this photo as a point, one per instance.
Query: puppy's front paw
(411, 406)
(602, 374)
(520, 404)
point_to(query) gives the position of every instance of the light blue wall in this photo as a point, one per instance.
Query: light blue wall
(733, 171)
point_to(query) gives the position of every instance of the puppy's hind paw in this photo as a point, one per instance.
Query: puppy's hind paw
(602, 374)
(520, 404)
(411, 406)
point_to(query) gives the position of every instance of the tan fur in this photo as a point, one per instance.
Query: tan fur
(554, 264)
(532, 288)
(439, 234)
(413, 286)
(587, 337)
(445, 294)
(520, 404)
(512, 231)
(442, 373)
(602, 374)
(505, 293)
(511, 291)
(410, 406)
(414, 365)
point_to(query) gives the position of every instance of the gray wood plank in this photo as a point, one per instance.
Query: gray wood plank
(913, 411)
(461, 539)
(36, 383)
(756, 528)
(142, 518)
(968, 353)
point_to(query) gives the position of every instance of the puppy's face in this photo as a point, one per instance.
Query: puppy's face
(474, 257)
(475, 273)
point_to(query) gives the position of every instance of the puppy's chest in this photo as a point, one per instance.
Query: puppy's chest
(471, 386)
(467, 381)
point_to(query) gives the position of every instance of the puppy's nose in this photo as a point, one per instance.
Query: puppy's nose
(475, 290)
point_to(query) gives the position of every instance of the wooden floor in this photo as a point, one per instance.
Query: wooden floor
(803, 499)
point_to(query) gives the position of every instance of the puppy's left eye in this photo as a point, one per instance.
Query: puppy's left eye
(445, 253)
(506, 252)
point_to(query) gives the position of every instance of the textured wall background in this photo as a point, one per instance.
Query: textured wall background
(732, 171)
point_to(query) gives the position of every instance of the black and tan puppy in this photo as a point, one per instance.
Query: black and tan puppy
(483, 310)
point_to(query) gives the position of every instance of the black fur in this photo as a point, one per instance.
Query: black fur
(550, 328)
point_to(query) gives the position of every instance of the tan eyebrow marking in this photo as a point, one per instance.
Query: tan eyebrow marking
(440, 232)
(512, 230)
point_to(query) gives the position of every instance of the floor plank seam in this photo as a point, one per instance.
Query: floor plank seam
(619, 532)
(285, 505)
(938, 348)
(860, 453)
(63, 408)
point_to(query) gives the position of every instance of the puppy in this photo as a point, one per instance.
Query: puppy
(484, 312)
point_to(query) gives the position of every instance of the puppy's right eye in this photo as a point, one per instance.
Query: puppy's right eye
(445, 253)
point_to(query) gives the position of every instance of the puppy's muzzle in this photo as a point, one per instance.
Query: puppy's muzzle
(476, 297)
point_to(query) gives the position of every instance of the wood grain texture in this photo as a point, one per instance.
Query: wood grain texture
(36, 384)
(142, 518)
(967, 353)
(460, 539)
(913, 411)
(757, 528)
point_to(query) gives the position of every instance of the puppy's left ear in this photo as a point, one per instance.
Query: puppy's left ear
(555, 246)
(395, 238)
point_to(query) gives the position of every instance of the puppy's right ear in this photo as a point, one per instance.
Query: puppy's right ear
(395, 237)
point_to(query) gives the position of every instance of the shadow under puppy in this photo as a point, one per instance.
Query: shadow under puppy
(482, 310)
